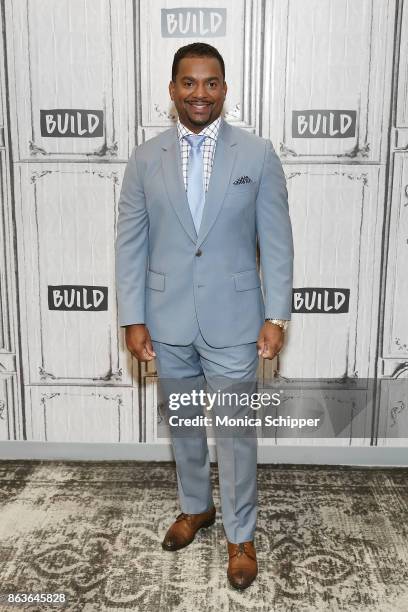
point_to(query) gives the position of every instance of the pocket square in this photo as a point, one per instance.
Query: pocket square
(241, 180)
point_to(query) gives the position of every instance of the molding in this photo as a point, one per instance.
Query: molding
(302, 455)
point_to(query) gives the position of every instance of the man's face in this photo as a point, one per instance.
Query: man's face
(199, 91)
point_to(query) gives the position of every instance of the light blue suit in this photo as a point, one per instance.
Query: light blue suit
(220, 288)
(200, 295)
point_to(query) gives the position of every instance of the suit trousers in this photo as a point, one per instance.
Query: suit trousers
(200, 366)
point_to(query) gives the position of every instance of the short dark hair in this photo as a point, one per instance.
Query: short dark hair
(196, 50)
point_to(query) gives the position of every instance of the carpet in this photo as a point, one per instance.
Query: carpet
(328, 538)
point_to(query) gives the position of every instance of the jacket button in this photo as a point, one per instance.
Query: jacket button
(199, 253)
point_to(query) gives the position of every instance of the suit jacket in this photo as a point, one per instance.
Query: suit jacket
(168, 277)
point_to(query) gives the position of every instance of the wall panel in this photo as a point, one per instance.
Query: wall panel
(240, 46)
(70, 56)
(80, 414)
(66, 223)
(331, 57)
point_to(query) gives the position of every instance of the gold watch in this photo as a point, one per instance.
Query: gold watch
(281, 322)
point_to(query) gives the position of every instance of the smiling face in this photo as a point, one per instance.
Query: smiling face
(199, 91)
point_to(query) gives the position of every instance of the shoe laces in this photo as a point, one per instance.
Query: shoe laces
(242, 550)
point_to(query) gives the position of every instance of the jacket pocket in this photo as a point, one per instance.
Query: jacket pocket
(247, 280)
(242, 188)
(155, 280)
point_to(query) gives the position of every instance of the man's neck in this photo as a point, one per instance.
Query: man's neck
(201, 127)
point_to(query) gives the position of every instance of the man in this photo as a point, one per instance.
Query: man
(194, 202)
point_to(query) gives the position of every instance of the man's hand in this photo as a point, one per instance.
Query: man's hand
(270, 340)
(139, 342)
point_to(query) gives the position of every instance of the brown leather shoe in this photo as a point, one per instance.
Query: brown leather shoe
(242, 565)
(183, 530)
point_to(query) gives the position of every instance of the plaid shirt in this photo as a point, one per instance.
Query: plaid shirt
(208, 148)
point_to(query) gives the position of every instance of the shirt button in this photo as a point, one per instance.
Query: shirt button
(199, 253)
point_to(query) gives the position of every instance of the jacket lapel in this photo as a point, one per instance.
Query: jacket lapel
(223, 163)
(173, 178)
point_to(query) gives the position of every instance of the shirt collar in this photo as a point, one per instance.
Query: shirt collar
(210, 130)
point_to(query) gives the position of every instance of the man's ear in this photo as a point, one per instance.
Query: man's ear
(171, 89)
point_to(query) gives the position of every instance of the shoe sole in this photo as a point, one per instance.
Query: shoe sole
(203, 526)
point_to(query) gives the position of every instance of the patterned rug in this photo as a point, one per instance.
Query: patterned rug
(328, 539)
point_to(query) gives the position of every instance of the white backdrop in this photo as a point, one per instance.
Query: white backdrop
(83, 81)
